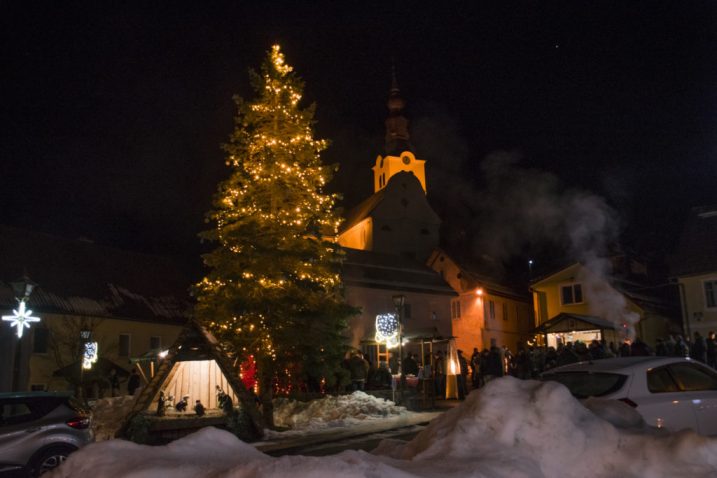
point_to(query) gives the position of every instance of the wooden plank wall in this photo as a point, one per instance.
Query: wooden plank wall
(197, 379)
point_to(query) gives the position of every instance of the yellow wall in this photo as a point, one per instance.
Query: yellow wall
(104, 331)
(699, 317)
(359, 237)
(473, 328)
(389, 165)
(648, 328)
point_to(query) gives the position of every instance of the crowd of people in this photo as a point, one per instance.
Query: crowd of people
(528, 362)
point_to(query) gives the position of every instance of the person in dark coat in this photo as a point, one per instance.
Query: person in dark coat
(495, 363)
(133, 382)
(439, 370)
(410, 365)
(711, 349)
(640, 348)
(462, 376)
(475, 368)
(358, 368)
(699, 348)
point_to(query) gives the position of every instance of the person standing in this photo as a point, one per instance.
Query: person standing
(462, 376)
(440, 375)
(711, 349)
(475, 368)
(699, 348)
(358, 367)
(410, 365)
(133, 382)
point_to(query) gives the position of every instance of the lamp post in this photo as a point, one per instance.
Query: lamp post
(399, 301)
(21, 318)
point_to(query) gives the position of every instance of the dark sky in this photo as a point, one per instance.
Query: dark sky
(113, 112)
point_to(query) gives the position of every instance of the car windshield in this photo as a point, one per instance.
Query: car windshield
(587, 384)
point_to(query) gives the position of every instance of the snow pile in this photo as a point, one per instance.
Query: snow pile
(330, 411)
(108, 415)
(510, 428)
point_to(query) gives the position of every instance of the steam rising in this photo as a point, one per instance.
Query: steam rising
(518, 208)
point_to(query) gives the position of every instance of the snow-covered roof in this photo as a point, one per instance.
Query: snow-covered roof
(81, 278)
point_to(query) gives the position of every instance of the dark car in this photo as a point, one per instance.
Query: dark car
(38, 430)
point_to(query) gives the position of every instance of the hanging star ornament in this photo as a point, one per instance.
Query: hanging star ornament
(21, 318)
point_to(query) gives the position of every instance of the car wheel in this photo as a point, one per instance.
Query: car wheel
(49, 459)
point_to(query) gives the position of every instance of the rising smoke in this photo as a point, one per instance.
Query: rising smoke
(514, 209)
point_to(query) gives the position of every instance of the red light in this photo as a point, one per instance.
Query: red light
(80, 423)
(628, 401)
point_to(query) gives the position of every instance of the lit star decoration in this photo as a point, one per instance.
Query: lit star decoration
(387, 329)
(21, 318)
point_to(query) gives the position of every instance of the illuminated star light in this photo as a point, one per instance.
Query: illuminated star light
(21, 318)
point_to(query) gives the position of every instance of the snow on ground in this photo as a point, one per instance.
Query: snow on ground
(332, 412)
(510, 428)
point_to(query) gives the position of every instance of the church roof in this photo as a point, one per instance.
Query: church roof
(81, 278)
(362, 210)
(391, 271)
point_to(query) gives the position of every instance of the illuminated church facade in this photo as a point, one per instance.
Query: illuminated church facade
(392, 240)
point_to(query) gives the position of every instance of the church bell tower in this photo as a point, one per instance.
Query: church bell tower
(399, 154)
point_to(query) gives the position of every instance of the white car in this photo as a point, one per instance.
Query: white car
(669, 392)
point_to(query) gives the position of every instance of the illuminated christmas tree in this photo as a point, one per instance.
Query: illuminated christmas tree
(273, 290)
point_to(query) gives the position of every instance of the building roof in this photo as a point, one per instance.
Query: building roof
(651, 298)
(478, 272)
(391, 271)
(81, 278)
(361, 211)
(697, 247)
(567, 322)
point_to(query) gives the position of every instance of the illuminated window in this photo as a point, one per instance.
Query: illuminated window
(456, 309)
(711, 293)
(571, 294)
(124, 345)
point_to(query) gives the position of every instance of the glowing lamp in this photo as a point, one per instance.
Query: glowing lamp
(479, 291)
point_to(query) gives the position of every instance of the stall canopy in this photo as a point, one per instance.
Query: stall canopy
(573, 327)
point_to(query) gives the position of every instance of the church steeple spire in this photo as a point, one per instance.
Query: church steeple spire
(397, 137)
(399, 155)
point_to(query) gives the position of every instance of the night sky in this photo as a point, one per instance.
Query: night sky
(113, 112)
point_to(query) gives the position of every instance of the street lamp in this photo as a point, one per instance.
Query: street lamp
(400, 301)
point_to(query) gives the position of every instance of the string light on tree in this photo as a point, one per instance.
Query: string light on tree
(21, 318)
(273, 290)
